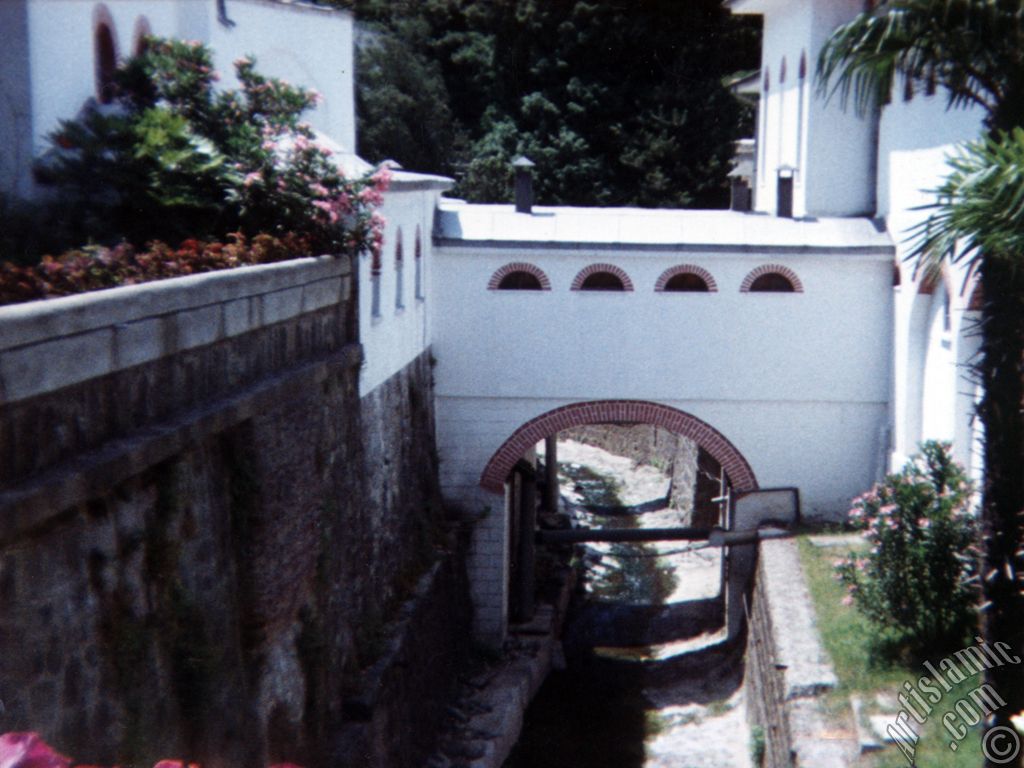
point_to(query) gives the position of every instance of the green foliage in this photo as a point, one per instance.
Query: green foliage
(402, 106)
(618, 104)
(980, 205)
(918, 582)
(757, 745)
(973, 48)
(850, 640)
(174, 158)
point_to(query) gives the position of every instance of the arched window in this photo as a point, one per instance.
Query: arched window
(928, 282)
(142, 32)
(602, 277)
(399, 270)
(773, 282)
(106, 62)
(762, 126)
(686, 283)
(602, 281)
(418, 257)
(908, 89)
(376, 267)
(977, 300)
(519, 276)
(686, 278)
(772, 278)
(519, 281)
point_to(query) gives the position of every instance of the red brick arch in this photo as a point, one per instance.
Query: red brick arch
(611, 412)
(686, 269)
(767, 269)
(577, 283)
(519, 266)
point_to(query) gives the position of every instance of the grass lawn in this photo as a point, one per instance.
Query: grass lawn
(847, 636)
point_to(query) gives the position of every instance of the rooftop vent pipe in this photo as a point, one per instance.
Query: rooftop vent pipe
(524, 184)
(784, 192)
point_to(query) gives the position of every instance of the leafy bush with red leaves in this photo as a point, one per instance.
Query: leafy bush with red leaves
(95, 267)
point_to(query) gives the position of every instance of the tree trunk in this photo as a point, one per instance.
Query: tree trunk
(1001, 371)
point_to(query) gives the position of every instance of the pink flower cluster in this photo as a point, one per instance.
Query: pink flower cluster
(28, 750)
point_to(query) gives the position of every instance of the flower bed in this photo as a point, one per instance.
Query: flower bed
(233, 176)
(96, 267)
(28, 750)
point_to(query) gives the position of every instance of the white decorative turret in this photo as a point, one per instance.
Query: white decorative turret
(813, 157)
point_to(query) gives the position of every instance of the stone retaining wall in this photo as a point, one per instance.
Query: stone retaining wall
(205, 533)
(79, 371)
(788, 671)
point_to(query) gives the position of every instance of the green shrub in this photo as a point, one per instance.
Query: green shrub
(757, 746)
(918, 581)
(173, 158)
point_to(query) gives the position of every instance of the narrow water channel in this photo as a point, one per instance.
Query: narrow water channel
(649, 682)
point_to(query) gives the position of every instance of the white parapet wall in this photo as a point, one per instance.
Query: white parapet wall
(935, 316)
(48, 345)
(396, 301)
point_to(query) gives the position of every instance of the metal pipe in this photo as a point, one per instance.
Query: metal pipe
(715, 537)
(578, 535)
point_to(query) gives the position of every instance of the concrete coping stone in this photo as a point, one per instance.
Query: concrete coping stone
(804, 663)
(37, 321)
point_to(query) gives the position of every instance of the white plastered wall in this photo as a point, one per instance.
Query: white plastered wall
(932, 394)
(304, 44)
(401, 330)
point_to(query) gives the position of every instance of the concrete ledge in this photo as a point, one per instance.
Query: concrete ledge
(48, 345)
(790, 670)
(35, 321)
(806, 667)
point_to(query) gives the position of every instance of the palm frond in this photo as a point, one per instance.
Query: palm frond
(979, 208)
(970, 47)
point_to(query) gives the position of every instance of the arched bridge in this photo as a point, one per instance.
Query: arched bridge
(765, 340)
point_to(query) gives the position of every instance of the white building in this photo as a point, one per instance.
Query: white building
(800, 350)
(881, 165)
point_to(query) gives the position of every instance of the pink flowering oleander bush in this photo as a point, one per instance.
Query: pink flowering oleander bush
(918, 580)
(174, 158)
(28, 750)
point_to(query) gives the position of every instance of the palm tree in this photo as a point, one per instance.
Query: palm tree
(974, 49)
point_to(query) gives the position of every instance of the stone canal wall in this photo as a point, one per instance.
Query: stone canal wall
(206, 537)
(788, 671)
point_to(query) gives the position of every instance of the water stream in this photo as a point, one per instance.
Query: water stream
(649, 682)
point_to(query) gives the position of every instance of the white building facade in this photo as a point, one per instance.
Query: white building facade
(801, 351)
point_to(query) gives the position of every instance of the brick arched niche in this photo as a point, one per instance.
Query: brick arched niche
(612, 412)
(516, 269)
(710, 286)
(598, 269)
(771, 270)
